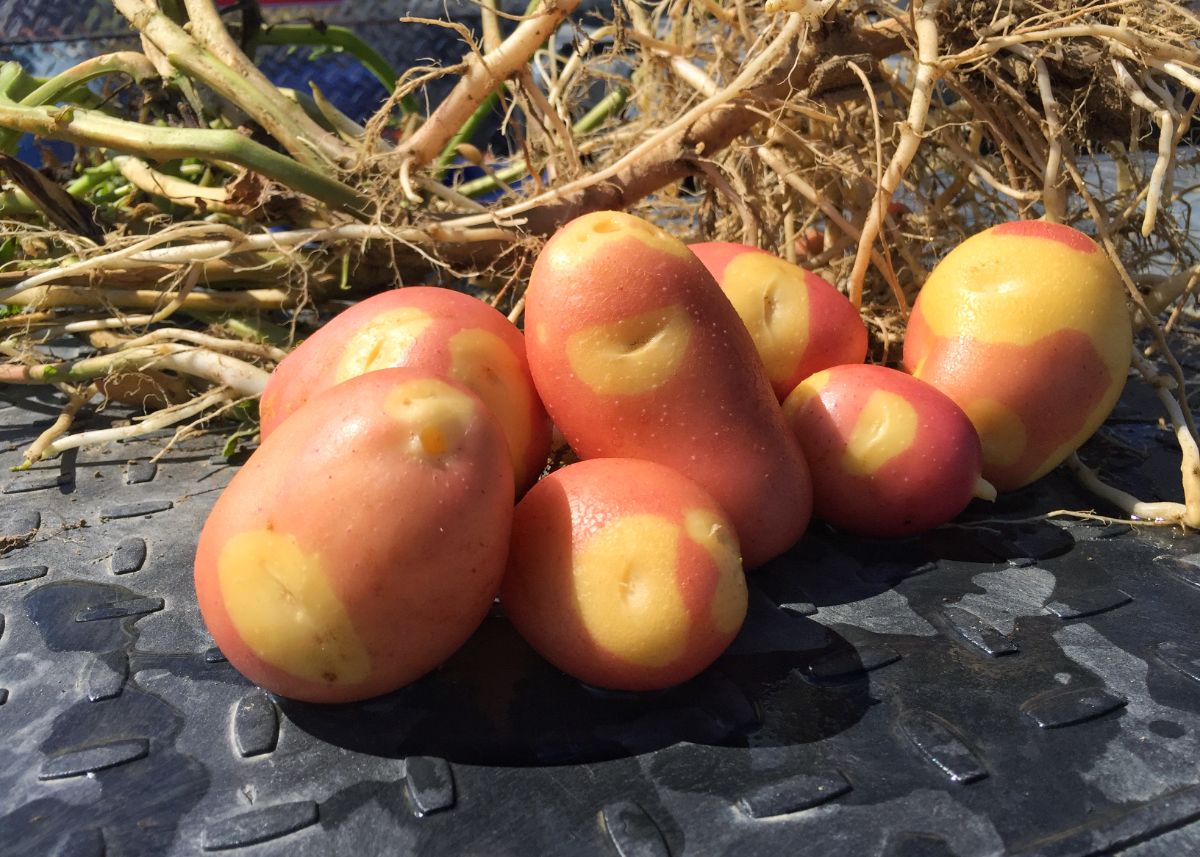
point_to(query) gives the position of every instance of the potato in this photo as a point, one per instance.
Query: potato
(890, 455)
(637, 354)
(363, 542)
(799, 322)
(430, 328)
(1025, 327)
(624, 574)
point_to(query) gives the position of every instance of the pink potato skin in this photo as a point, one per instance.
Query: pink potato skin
(314, 365)
(413, 550)
(540, 593)
(926, 483)
(714, 417)
(834, 334)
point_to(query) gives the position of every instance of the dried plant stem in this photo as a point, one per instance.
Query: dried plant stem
(144, 177)
(481, 76)
(244, 378)
(76, 399)
(158, 420)
(1165, 512)
(911, 131)
(1190, 452)
(212, 343)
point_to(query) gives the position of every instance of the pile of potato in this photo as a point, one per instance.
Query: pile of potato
(717, 397)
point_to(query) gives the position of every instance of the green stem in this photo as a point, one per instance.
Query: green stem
(306, 141)
(90, 128)
(468, 129)
(72, 83)
(336, 37)
(589, 122)
(123, 62)
(466, 132)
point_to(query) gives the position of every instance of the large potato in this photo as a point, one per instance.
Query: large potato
(363, 542)
(799, 322)
(439, 330)
(624, 574)
(637, 354)
(890, 455)
(1025, 327)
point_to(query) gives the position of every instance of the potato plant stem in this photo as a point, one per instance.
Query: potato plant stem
(330, 35)
(306, 141)
(591, 120)
(91, 128)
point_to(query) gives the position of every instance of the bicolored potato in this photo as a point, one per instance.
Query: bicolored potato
(363, 542)
(435, 329)
(890, 455)
(1025, 327)
(637, 354)
(799, 322)
(624, 574)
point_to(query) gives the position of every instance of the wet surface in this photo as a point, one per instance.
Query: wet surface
(1009, 684)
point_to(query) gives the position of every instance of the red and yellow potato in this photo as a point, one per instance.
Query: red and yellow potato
(363, 542)
(435, 329)
(637, 354)
(799, 322)
(1025, 327)
(890, 455)
(624, 574)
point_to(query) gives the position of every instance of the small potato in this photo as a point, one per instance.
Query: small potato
(436, 329)
(799, 322)
(890, 455)
(638, 354)
(1025, 327)
(624, 574)
(363, 542)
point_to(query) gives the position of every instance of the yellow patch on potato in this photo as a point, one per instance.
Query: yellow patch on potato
(886, 427)
(985, 290)
(634, 355)
(594, 234)
(720, 542)
(626, 590)
(280, 601)
(1001, 432)
(437, 416)
(806, 390)
(483, 362)
(383, 342)
(771, 297)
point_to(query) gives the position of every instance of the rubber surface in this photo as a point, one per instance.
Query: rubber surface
(1003, 686)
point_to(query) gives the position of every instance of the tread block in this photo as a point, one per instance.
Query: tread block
(1089, 602)
(21, 573)
(430, 784)
(632, 831)
(848, 663)
(255, 724)
(135, 510)
(129, 556)
(1184, 658)
(119, 609)
(794, 794)
(260, 825)
(1110, 834)
(140, 472)
(88, 760)
(977, 633)
(1057, 708)
(941, 744)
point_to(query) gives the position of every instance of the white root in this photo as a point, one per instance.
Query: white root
(158, 420)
